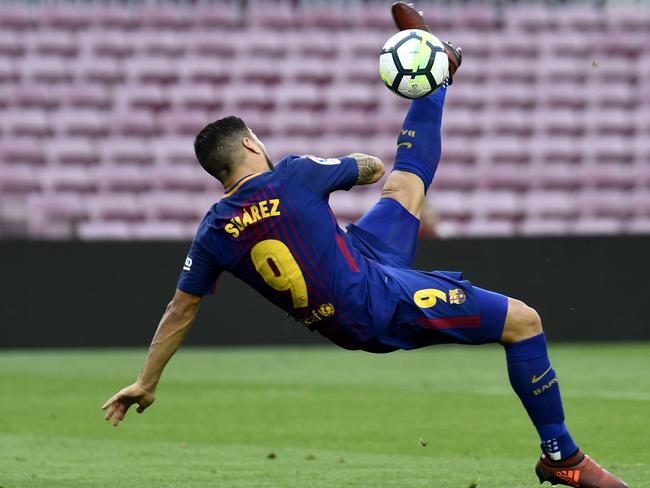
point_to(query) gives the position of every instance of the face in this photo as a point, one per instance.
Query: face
(263, 148)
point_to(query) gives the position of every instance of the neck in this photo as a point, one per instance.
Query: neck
(244, 169)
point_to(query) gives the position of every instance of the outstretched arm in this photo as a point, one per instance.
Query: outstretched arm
(371, 169)
(173, 327)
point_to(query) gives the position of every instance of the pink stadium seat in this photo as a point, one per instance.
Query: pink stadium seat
(596, 226)
(193, 96)
(331, 18)
(154, 43)
(46, 70)
(21, 151)
(299, 97)
(122, 178)
(612, 175)
(10, 45)
(320, 44)
(559, 122)
(151, 70)
(309, 70)
(112, 16)
(110, 44)
(557, 204)
(638, 226)
(565, 150)
(184, 121)
(101, 230)
(560, 94)
(67, 179)
(540, 227)
(171, 206)
(610, 150)
(532, 18)
(455, 176)
(163, 16)
(274, 15)
(496, 203)
(504, 176)
(489, 228)
(104, 71)
(174, 150)
(562, 175)
(113, 206)
(611, 95)
(640, 202)
(217, 15)
(503, 150)
(18, 179)
(126, 151)
(72, 151)
(375, 16)
(30, 123)
(181, 178)
(8, 71)
(86, 96)
(571, 45)
(29, 95)
(454, 204)
(71, 17)
(161, 230)
(53, 43)
(583, 18)
(134, 123)
(54, 206)
(515, 123)
(146, 97)
(299, 123)
(204, 44)
(196, 70)
(604, 203)
(16, 17)
(352, 97)
(78, 122)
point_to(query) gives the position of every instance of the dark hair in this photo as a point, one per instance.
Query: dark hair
(218, 147)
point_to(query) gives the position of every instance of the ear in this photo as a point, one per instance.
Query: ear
(251, 145)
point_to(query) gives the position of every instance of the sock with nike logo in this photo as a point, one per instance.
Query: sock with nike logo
(418, 144)
(534, 380)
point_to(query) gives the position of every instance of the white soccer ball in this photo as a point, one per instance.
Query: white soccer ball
(413, 63)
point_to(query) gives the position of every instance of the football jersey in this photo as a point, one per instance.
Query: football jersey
(276, 232)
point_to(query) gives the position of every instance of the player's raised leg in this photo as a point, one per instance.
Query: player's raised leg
(535, 382)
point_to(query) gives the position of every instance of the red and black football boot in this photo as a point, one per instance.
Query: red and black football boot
(407, 17)
(579, 471)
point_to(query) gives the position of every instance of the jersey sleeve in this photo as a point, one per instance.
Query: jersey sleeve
(323, 176)
(200, 272)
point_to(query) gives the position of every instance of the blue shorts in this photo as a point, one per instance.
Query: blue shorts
(435, 307)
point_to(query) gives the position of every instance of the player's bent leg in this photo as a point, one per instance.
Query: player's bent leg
(407, 189)
(522, 322)
(535, 382)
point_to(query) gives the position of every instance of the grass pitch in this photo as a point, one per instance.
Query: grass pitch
(312, 417)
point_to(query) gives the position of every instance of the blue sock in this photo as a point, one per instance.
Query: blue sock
(418, 144)
(534, 380)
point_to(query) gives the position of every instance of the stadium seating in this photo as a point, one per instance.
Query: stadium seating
(100, 102)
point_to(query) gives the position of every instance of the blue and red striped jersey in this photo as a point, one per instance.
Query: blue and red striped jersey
(276, 232)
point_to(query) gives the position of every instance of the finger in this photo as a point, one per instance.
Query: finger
(140, 408)
(109, 402)
(110, 413)
(119, 414)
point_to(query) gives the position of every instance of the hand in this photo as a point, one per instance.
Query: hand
(120, 403)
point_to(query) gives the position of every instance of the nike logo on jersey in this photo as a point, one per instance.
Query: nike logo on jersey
(535, 379)
(258, 211)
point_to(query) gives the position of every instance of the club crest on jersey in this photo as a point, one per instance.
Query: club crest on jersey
(457, 296)
(257, 211)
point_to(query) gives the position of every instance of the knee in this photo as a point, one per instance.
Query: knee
(407, 189)
(522, 322)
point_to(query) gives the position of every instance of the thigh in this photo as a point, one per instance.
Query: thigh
(441, 308)
(387, 233)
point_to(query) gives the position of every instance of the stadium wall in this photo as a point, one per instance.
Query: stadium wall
(71, 294)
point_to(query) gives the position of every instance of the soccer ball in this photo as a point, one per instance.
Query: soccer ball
(413, 63)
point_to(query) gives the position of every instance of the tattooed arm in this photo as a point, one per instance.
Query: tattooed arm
(371, 169)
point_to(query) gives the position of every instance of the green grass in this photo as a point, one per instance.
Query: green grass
(312, 417)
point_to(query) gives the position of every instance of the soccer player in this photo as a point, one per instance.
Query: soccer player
(274, 230)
